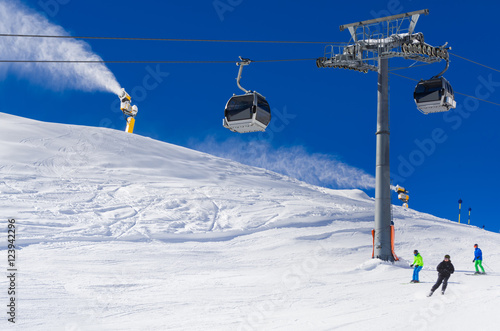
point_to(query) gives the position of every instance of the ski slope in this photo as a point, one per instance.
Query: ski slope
(121, 232)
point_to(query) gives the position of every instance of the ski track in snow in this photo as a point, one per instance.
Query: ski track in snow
(121, 232)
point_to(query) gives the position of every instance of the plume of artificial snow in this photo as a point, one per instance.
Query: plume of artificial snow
(313, 168)
(17, 19)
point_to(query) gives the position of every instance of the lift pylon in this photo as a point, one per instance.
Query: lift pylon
(372, 44)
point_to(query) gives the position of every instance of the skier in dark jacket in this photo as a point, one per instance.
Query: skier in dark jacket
(445, 269)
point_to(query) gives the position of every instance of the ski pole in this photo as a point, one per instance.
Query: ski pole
(487, 267)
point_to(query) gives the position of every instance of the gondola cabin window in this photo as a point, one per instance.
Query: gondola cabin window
(429, 91)
(264, 112)
(239, 108)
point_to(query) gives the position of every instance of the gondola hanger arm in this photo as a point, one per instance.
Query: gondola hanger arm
(241, 64)
(444, 70)
(447, 62)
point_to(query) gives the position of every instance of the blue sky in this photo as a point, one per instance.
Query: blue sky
(327, 116)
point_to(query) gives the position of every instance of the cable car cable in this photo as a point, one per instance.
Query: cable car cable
(171, 39)
(196, 40)
(479, 64)
(412, 66)
(199, 40)
(107, 61)
(470, 96)
(203, 62)
(146, 62)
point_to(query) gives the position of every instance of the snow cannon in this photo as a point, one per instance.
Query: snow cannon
(399, 189)
(124, 96)
(128, 110)
(402, 195)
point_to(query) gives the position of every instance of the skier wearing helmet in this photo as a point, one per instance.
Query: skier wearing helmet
(418, 262)
(478, 259)
(445, 269)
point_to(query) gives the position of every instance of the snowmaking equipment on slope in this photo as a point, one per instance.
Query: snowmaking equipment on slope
(402, 195)
(128, 110)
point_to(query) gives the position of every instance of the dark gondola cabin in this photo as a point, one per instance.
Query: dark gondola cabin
(434, 95)
(249, 112)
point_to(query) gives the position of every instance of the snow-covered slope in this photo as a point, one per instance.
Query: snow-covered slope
(121, 232)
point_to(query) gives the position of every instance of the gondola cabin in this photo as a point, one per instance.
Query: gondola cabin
(249, 112)
(434, 95)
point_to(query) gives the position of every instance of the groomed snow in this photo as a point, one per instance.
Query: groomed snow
(122, 232)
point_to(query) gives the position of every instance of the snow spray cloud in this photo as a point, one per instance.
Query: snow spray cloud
(296, 162)
(17, 19)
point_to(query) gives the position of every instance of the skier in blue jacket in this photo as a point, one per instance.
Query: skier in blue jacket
(478, 259)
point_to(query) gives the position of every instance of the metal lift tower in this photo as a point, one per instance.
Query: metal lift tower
(372, 44)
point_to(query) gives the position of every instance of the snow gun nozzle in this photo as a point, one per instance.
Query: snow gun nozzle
(124, 96)
(125, 105)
